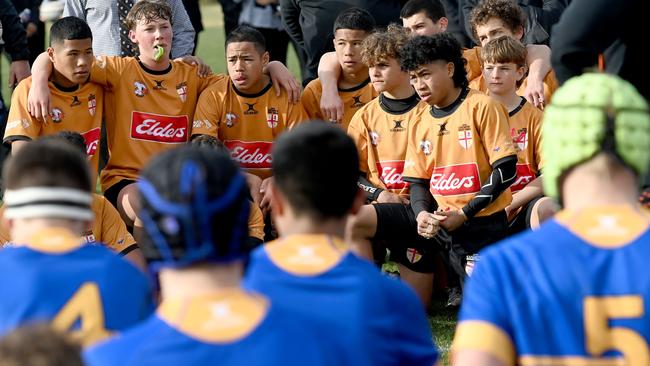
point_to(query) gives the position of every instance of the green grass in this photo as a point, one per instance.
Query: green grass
(211, 50)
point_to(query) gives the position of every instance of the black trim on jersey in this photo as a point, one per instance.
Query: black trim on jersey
(504, 172)
(155, 72)
(256, 95)
(355, 88)
(372, 191)
(129, 249)
(50, 202)
(398, 106)
(13, 138)
(66, 89)
(420, 196)
(448, 110)
(519, 107)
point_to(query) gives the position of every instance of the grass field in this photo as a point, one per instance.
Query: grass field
(211, 50)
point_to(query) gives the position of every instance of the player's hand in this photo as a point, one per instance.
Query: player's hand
(283, 79)
(428, 224)
(254, 184)
(331, 105)
(38, 102)
(534, 93)
(19, 71)
(203, 70)
(453, 219)
(265, 191)
(388, 197)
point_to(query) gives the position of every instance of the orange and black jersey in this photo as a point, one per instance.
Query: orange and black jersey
(455, 149)
(525, 129)
(353, 99)
(380, 132)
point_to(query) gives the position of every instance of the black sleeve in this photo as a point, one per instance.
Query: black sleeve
(504, 172)
(539, 20)
(291, 20)
(420, 197)
(372, 191)
(13, 34)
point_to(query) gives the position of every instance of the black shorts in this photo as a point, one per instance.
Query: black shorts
(476, 234)
(398, 229)
(521, 221)
(113, 191)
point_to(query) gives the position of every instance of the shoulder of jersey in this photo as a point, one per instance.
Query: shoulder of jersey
(306, 255)
(314, 84)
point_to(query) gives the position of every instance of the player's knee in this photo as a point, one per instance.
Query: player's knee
(363, 225)
(544, 209)
(128, 205)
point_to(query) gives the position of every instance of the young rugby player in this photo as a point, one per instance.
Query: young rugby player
(242, 110)
(310, 269)
(585, 297)
(195, 205)
(504, 67)
(460, 152)
(55, 277)
(380, 132)
(351, 27)
(153, 99)
(77, 105)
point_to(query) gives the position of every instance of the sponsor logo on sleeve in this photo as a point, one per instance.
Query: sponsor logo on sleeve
(92, 140)
(251, 155)
(525, 175)
(18, 123)
(391, 173)
(453, 180)
(159, 128)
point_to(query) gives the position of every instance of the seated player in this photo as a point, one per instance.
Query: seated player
(195, 204)
(83, 289)
(495, 18)
(242, 111)
(504, 65)
(380, 132)
(460, 153)
(255, 217)
(107, 227)
(310, 269)
(585, 294)
(153, 99)
(351, 27)
(77, 105)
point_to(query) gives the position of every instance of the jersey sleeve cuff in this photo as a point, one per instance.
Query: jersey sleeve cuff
(9, 139)
(477, 335)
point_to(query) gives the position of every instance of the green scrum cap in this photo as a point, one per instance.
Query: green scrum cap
(589, 114)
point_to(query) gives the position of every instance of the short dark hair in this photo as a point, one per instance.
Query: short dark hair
(69, 28)
(245, 33)
(316, 167)
(47, 163)
(422, 50)
(39, 345)
(507, 11)
(193, 179)
(433, 9)
(211, 142)
(73, 138)
(355, 19)
(148, 10)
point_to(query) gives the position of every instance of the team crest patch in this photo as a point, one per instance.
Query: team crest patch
(520, 138)
(92, 104)
(57, 115)
(374, 138)
(465, 136)
(413, 255)
(231, 119)
(425, 146)
(140, 89)
(272, 117)
(181, 89)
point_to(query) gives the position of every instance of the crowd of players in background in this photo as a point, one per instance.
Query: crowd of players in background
(425, 151)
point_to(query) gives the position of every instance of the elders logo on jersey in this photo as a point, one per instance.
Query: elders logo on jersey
(453, 180)
(251, 155)
(159, 128)
(92, 104)
(92, 140)
(525, 175)
(391, 174)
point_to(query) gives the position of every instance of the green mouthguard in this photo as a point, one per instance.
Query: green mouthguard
(575, 124)
(160, 51)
